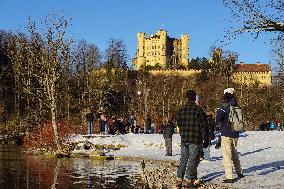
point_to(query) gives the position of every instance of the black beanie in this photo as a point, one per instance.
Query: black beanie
(191, 95)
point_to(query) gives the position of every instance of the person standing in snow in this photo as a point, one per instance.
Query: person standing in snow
(148, 123)
(272, 126)
(205, 152)
(229, 138)
(267, 125)
(102, 124)
(262, 126)
(194, 135)
(90, 118)
(168, 131)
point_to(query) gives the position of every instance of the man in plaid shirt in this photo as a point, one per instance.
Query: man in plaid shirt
(194, 134)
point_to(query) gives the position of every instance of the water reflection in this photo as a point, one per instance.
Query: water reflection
(25, 171)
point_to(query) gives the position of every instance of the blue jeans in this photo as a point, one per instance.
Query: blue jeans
(90, 129)
(189, 160)
(206, 152)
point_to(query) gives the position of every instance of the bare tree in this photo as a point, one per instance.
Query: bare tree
(223, 62)
(255, 17)
(116, 54)
(260, 17)
(40, 61)
(87, 58)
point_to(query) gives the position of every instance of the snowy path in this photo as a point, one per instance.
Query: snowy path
(261, 156)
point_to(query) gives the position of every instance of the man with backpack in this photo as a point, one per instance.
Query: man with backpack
(230, 119)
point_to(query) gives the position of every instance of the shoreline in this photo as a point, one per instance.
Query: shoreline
(158, 173)
(164, 171)
(259, 160)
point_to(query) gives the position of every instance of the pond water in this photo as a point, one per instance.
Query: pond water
(18, 170)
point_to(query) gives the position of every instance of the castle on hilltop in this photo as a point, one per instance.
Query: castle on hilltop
(161, 50)
(169, 56)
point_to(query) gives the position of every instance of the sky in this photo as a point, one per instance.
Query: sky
(97, 21)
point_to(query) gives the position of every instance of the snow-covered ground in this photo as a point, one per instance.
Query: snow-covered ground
(261, 155)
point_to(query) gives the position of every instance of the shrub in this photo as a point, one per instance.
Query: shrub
(43, 138)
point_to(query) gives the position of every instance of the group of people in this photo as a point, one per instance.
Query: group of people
(111, 124)
(116, 125)
(196, 130)
(270, 126)
(195, 136)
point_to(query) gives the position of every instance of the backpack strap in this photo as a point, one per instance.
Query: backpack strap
(223, 106)
(235, 112)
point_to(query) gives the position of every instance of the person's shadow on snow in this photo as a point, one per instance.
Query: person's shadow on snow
(252, 152)
(262, 169)
(212, 176)
(218, 158)
(266, 168)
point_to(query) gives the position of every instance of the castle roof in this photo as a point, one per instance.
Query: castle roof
(252, 67)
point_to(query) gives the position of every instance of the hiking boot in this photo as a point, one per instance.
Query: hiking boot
(188, 184)
(179, 185)
(240, 176)
(228, 181)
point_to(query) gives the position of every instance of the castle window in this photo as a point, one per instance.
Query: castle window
(158, 46)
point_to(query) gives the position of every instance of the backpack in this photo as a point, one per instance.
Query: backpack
(236, 119)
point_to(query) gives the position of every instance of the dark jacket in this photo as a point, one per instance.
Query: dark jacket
(212, 127)
(90, 116)
(148, 123)
(193, 124)
(102, 124)
(168, 130)
(222, 118)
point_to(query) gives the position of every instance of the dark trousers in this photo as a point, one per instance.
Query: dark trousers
(189, 160)
(90, 127)
(168, 144)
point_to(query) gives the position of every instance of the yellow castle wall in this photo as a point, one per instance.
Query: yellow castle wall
(250, 78)
(155, 50)
(245, 78)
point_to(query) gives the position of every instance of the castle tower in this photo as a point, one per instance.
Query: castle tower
(184, 50)
(163, 44)
(141, 36)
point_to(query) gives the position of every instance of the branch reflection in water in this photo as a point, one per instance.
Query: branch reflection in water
(28, 171)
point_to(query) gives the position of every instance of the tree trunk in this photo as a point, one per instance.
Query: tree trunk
(56, 172)
(163, 108)
(53, 120)
(68, 103)
(168, 109)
